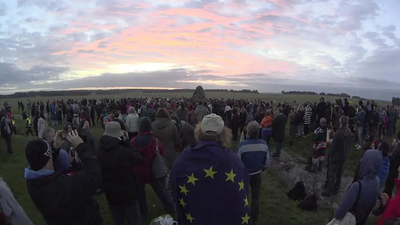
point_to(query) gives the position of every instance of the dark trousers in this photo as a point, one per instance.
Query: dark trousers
(266, 138)
(132, 135)
(255, 186)
(7, 139)
(161, 191)
(278, 147)
(333, 178)
(93, 120)
(390, 183)
(29, 131)
(126, 214)
(306, 129)
(235, 133)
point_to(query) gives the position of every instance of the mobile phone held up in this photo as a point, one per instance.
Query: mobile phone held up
(64, 135)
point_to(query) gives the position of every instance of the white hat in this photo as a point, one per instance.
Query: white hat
(113, 129)
(212, 123)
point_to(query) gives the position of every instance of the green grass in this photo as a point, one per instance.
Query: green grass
(275, 208)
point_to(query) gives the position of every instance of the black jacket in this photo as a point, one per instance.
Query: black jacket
(68, 199)
(116, 159)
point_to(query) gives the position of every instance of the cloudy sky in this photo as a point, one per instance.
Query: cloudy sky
(350, 46)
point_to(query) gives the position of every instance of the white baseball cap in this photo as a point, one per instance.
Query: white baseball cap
(212, 123)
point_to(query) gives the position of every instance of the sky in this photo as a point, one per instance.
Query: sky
(350, 46)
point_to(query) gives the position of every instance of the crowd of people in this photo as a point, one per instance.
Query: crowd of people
(181, 148)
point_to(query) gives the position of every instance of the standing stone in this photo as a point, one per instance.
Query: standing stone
(198, 94)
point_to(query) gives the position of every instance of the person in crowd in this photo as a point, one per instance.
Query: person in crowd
(278, 131)
(28, 126)
(5, 130)
(147, 145)
(391, 118)
(254, 154)
(300, 120)
(117, 117)
(117, 156)
(337, 157)
(182, 111)
(259, 117)
(315, 161)
(328, 114)
(368, 144)
(36, 122)
(360, 117)
(292, 126)
(86, 134)
(61, 159)
(42, 124)
(187, 137)
(235, 124)
(383, 174)
(165, 131)
(378, 141)
(390, 206)
(201, 111)
(228, 116)
(307, 119)
(63, 199)
(362, 195)
(208, 177)
(266, 126)
(394, 161)
(335, 117)
(132, 123)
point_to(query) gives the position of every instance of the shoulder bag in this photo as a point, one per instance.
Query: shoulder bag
(160, 165)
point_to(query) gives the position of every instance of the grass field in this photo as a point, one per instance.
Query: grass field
(275, 208)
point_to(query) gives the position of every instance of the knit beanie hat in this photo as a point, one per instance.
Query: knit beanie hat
(37, 153)
(145, 124)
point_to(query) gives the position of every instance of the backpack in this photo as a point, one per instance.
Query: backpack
(298, 192)
(309, 203)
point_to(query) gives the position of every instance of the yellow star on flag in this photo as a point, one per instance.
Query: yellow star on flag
(192, 179)
(230, 176)
(183, 189)
(189, 217)
(245, 219)
(246, 202)
(210, 172)
(182, 203)
(241, 185)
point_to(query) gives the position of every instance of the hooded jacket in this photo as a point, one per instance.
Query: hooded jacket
(370, 166)
(117, 159)
(166, 132)
(67, 199)
(201, 111)
(9, 206)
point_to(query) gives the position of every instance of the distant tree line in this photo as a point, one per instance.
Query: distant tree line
(342, 95)
(84, 93)
(396, 101)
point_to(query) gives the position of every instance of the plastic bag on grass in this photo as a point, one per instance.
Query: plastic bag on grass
(163, 220)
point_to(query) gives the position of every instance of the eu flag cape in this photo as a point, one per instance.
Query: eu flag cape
(210, 186)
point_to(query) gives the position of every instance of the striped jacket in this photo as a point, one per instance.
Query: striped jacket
(307, 115)
(254, 154)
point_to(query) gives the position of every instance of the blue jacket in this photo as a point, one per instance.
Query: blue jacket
(254, 154)
(382, 175)
(370, 166)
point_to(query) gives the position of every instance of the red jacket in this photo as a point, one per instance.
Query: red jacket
(392, 210)
(144, 171)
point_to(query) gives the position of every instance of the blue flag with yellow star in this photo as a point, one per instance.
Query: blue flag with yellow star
(210, 186)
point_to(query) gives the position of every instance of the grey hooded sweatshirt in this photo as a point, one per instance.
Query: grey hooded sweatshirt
(370, 166)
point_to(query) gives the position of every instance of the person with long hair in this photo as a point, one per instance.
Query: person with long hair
(341, 144)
